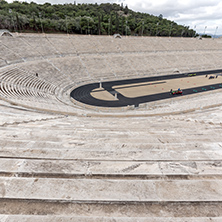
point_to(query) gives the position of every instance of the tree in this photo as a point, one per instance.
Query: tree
(99, 25)
(160, 17)
(126, 10)
(117, 24)
(111, 25)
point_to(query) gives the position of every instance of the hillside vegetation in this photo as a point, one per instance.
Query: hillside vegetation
(103, 19)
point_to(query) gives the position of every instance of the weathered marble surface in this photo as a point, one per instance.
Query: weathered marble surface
(162, 162)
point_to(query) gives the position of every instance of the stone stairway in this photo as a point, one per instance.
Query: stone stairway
(101, 169)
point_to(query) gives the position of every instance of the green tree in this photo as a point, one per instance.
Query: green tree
(99, 24)
(117, 24)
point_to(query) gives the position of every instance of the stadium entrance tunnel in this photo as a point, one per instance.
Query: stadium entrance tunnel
(129, 92)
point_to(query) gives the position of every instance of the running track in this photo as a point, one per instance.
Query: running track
(82, 93)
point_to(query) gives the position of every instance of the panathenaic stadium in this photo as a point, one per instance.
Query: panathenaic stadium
(64, 158)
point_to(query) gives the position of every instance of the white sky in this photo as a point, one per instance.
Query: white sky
(196, 14)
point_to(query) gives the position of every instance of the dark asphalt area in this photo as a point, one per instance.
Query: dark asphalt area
(82, 93)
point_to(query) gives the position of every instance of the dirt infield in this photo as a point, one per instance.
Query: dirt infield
(150, 88)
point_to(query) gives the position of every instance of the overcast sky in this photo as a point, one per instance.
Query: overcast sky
(197, 14)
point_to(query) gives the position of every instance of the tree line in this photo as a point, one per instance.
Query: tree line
(95, 19)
